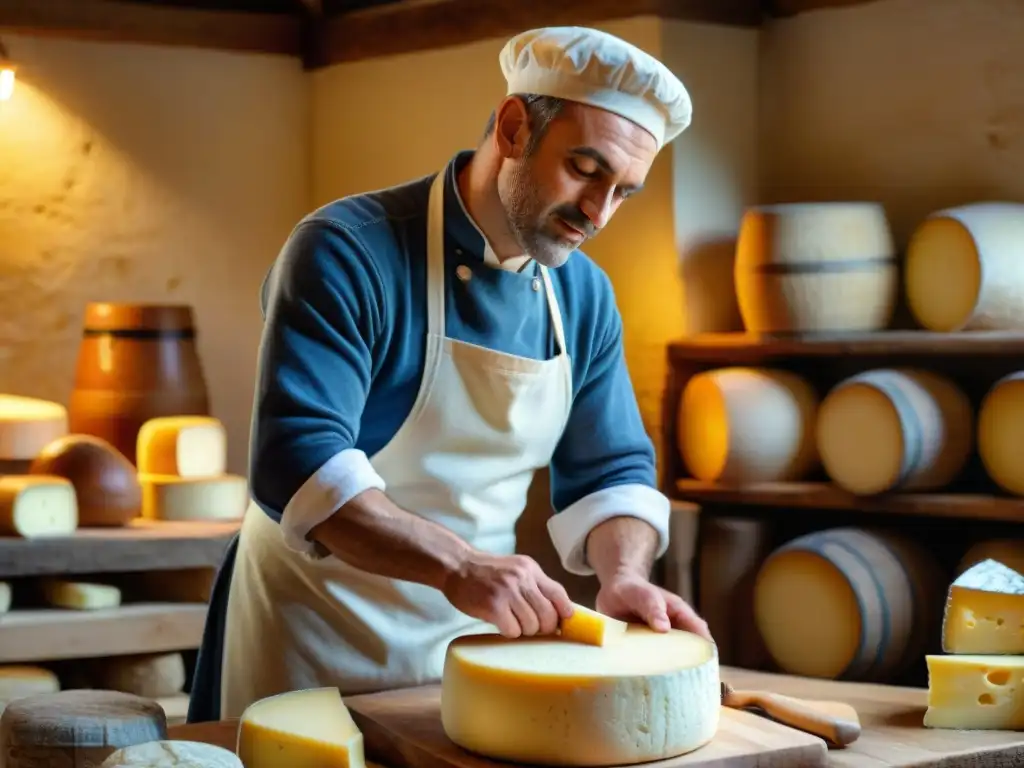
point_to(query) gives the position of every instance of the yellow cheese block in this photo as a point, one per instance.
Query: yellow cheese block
(27, 425)
(546, 701)
(748, 425)
(168, 497)
(186, 446)
(889, 429)
(300, 729)
(590, 627)
(35, 506)
(79, 595)
(964, 268)
(975, 692)
(1001, 432)
(985, 611)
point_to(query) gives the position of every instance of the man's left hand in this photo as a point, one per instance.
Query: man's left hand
(631, 597)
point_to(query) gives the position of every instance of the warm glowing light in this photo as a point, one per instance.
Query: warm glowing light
(6, 82)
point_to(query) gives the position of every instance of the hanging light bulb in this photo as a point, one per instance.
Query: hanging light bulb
(7, 76)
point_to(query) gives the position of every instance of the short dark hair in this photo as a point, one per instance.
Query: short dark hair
(540, 111)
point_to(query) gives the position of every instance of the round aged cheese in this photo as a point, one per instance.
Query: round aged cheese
(965, 268)
(153, 676)
(105, 481)
(815, 267)
(890, 429)
(78, 729)
(167, 497)
(547, 701)
(848, 603)
(28, 424)
(17, 682)
(173, 754)
(79, 595)
(185, 446)
(748, 425)
(1001, 433)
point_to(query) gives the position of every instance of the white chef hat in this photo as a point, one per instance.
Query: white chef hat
(593, 67)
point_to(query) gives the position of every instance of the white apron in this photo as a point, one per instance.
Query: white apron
(481, 424)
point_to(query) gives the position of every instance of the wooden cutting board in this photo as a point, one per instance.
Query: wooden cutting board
(402, 729)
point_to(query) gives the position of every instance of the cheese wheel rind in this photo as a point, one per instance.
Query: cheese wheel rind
(173, 754)
(648, 696)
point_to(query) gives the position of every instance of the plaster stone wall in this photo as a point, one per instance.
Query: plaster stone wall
(136, 173)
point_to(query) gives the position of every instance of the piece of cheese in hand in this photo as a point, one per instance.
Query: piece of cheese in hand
(968, 692)
(546, 701)
(79, 595)
(34, 506)
(185, 499)
(985, 611)
(186, 446)
(300, 729)
(173, 754)
(590, 627)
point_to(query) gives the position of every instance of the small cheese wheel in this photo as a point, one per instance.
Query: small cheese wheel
(1009, 552)
(35, 506)
(300, 729)
(168, 497)
(848, 603)
(890, 429)
(153, 676)
(965, 268)
(79, 595)
(76, 728)
(18, 682)
(748, 425)
(173, 754)
(186, 446)
(649, 696)
(590, 627)
(27, 425)
(1001, 433)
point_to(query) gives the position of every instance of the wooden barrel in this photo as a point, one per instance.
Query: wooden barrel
(135, 362)
(747, 425)
(816, 268)
(1001, 433)
(848, 603)
(963, 269)
(894, 429)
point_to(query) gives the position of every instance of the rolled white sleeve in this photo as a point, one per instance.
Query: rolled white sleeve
(342, 477)
(570, 527)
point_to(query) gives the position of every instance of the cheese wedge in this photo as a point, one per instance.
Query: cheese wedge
(985, 611)
(34, 506)
(300, 729)
(186, 446)
(968, 692)
(590, 627)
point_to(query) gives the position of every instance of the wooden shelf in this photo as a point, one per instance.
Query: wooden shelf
(827, 496)
(51, 634)
(744, 348)
(143, 546)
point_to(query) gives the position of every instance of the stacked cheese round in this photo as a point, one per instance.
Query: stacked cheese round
(547, 701)
(848, 603)
(747, 425)
(965, 268)
(816, 267)
(1009, 552)
(1001, 433)
(890, 429)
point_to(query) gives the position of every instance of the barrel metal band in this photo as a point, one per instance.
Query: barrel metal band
(142, 333)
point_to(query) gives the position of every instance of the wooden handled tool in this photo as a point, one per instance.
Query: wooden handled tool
(833, 721)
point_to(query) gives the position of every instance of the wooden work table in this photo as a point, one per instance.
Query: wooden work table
(891, 717)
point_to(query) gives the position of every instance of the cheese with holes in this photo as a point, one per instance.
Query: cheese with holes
(17, 682)
(167, 497)
(76, 728)
(590, 627)
(27, 425)
(186, 446)
(1001, 433)
(173, 754)
(985, 611)
(748, 425)
(153, 675)
(79, 595)
(34, 506)
(965, 268)
(889, 429)
(300, 729)
(975, 692)
(542, 700)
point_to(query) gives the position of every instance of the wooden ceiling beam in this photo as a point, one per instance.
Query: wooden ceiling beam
(416, 25)
(125, 22)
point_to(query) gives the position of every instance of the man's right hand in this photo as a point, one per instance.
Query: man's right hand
(509, 591)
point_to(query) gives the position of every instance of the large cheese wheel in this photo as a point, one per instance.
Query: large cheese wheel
(747, 425)
(34, 506)
(848, 603)
(168, 497)
(547, 701)
(965, 268)
(816, 267)
(894, 429)
(186, 446)
(78, 729)
(173, 754)
(1001, 433)
(27, 425)
(18, 682)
